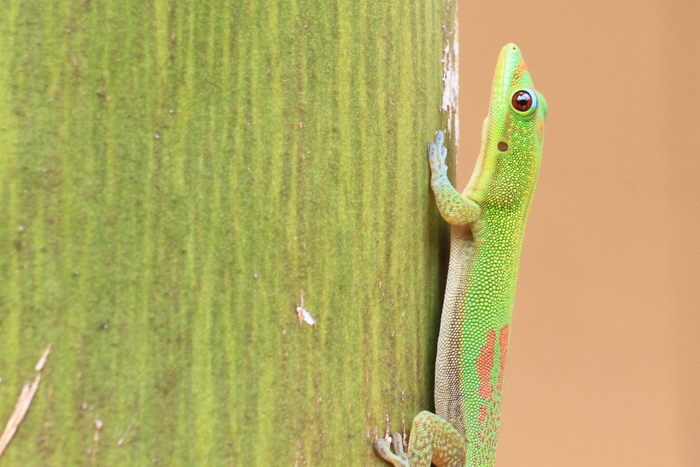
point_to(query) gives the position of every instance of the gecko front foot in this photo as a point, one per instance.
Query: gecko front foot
(437, 153)
(398, 458)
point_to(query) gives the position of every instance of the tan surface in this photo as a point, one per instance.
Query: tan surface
(603, 368)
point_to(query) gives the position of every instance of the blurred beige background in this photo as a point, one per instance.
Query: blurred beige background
(605, 350)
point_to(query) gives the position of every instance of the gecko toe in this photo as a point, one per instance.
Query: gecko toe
(397, 444)
(439, 137)
(432, 149)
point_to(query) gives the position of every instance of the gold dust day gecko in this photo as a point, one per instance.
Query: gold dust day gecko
(488, 222)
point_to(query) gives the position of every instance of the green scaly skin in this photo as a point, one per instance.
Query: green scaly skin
(488, 224)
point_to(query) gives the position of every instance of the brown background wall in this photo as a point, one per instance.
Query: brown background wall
(603, 367)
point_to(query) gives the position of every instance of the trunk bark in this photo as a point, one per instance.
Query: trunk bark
(172, 175)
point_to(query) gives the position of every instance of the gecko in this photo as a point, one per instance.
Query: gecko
(487, 227)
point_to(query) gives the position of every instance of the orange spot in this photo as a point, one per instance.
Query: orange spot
(484, 365)
(503, 341)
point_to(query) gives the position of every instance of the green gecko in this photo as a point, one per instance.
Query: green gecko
(488, 223)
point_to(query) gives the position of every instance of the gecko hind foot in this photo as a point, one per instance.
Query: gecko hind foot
(398, 457)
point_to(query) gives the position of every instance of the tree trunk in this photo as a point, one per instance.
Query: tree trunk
(172, 175)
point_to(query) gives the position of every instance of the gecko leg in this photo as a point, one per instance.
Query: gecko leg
(433, 439)
(455, 208)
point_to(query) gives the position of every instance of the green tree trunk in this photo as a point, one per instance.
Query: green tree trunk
(172, 175)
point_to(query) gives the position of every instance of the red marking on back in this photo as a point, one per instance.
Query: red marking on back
(485, 420)
(503, 341)
(483, 414)
(484, 365)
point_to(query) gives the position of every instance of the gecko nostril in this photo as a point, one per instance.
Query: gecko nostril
(503, 146)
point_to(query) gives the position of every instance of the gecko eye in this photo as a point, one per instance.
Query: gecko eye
(524, 100)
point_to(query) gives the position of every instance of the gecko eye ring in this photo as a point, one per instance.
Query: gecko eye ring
(523, 100)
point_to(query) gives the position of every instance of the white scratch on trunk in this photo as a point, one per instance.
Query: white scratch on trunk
(450, 78)
(23, 402)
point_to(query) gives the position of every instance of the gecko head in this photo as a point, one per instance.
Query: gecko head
(518, 111)
(513, 134)
(512, 84)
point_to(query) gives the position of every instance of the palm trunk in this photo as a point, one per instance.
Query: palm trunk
(172, 175)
